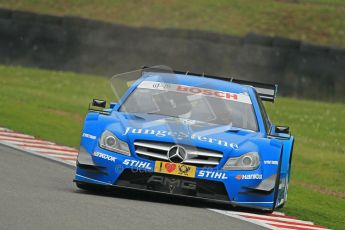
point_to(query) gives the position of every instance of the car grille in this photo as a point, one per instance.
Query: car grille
(195, 156)
(207, 189)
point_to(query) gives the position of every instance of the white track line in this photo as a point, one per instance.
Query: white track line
(51, 147)
(14, 134)
(59, 153)
(63, 157)
(49, 150)
(39, 154)
(68, 155)
(243, 218)
(40, 144)
(19, 140)
(294, 223)
(268, 217)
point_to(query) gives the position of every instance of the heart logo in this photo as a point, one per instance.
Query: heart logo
(170, 167)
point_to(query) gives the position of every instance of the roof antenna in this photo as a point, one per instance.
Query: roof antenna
(187, 72)
(203, 74)
(231, 79)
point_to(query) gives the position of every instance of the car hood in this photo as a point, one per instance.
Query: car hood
(149, 127)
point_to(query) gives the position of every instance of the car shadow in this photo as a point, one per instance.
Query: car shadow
(146, 196)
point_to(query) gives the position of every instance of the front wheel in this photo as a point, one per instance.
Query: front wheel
(283, 192)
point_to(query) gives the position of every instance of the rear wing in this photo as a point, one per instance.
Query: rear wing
(267, 92)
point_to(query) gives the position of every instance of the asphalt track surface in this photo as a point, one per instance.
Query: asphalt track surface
(37, 193)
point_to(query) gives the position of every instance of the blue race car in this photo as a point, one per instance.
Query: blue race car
(187, 134)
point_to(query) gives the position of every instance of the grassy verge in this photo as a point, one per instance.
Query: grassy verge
(317, 188)
(317, 21)
(51, 105)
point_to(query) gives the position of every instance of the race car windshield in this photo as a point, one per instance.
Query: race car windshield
(160, 94)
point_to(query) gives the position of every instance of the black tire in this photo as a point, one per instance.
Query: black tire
(270, 211)
(276, 189)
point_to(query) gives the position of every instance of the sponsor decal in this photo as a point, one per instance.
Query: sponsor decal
(175, 169)
(104, 156)
(243, 98)
(212, 174)
(138, 164)
(271, 162)
(172, 183)
(89, 136)
(184, 169)
(249, 177)
(238, 177)
(170, 167)
(234, 146)
(179, 136)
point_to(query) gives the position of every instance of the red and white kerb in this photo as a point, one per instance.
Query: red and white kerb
(239, 97)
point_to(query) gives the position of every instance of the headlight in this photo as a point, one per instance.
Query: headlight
(248, 161)
(110, 142)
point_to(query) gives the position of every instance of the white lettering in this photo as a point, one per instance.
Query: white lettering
(104, 156)
(138, 164)
(218, 175)
(238, 97)
(202, 138)
(212, 175)
(127, 130)
(89, 136)
(221, 142)
(271, 162)
(252, 177)
(179, 135)
(142, 164)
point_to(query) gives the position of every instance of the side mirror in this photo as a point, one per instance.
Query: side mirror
(99, 103)
(112, 105)
(282, 129)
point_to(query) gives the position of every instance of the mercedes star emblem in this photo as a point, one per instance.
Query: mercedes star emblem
(177, 154)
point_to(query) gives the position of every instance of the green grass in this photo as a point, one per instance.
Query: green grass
(319, 158)
(316, 21)
(51, 105)
(317, 188)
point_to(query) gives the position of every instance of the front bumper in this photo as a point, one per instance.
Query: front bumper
(238, 188)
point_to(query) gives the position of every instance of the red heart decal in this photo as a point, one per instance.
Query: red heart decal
(170, 167)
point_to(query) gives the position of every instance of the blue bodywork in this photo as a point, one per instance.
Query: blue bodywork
(264, 188)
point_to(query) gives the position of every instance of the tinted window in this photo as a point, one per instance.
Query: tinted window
(264, 114)
(198, 107)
